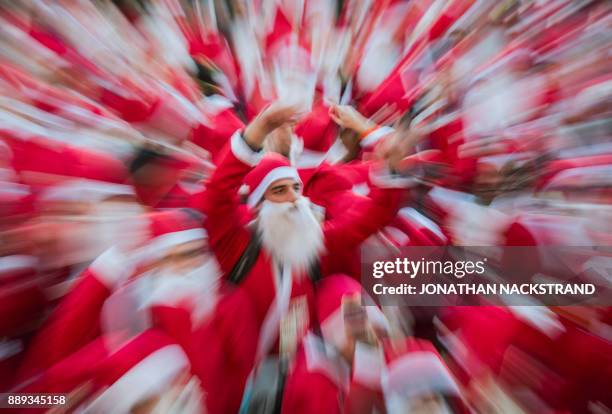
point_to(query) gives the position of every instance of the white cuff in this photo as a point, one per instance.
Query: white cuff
(375, 136)
(111, 268)
(368, 365)
(382, 178)
(151, 376)
(243, 152)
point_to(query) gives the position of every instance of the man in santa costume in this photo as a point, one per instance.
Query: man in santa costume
(292, 240)
(335, 365)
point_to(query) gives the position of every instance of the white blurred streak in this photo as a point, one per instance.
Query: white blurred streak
(206, 15)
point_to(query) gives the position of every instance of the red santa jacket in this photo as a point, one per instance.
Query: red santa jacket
(339, 387)
(229, 238)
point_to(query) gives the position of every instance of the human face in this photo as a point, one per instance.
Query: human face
(286, 190)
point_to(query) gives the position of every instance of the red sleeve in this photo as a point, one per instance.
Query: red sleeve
(75, 322)
(227, 236)
(349, 230)
(174, 321)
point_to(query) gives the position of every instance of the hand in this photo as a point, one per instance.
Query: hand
(268, 120)
(348, 117)
(395, 148)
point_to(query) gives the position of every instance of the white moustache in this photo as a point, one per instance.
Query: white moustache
(290, 232)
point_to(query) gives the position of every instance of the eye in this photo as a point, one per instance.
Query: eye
(279, 191)
(297, 187)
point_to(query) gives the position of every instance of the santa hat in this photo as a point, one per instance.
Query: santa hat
(94, 165)
(414, 369)
(168, 229)
(581, 178)
(330, 293)
(83, 190)
(140, 370)
(317, 132)
(555, 167)
(271, 168)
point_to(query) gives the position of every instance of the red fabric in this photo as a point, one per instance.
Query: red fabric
(223, 347)
(448, 138)
(330, 292)
(43, 155)
(71, 372)
(214, 136)
(131, 108)
(73, 324)
(228, 238)
(119, 363)
(269, 163)
(303, 385)
(170, 221)
(282, 28)
(317, 129)
(21, 300)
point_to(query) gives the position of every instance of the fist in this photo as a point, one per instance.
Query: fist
(278, 114)
(268, 120)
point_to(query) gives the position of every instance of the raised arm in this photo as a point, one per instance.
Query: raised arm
(224, 222)
(350, 229)
(388, 190)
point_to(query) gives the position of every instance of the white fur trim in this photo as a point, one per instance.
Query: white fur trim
(361, 189)
(86, 190)
(323, 359)
(333, 329)
(450, 198)
(368, 365)
(309, 159)
(382, 178)
(110, 268)
(271, 324)
(274, 175)
(375, 136)
(337, 152)
(413, 215)
(582, 177)
(243, 152)
(17, 262)
(216, 103)
(419, 373)
(397, 236)
(159, 245)
(377, 318)
(541, 318)
(147, 378)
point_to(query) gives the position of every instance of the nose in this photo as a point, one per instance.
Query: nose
(293, 195)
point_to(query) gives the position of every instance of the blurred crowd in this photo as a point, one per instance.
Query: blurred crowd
(142, 142)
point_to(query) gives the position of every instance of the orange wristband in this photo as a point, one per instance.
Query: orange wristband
(368, 132)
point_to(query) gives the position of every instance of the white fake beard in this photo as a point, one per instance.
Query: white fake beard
(291, 233)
